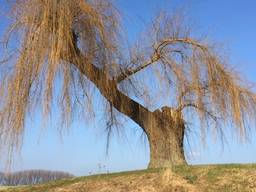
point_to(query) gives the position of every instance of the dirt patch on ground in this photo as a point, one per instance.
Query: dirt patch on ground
(167, 181)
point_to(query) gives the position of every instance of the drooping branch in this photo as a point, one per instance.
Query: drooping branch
(46, 49)
(158, 53)
(202, 109)
(171, 41)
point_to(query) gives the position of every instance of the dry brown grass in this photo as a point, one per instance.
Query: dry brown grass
(151, 182)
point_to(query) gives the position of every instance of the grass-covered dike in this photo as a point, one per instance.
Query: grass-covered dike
(222, 178)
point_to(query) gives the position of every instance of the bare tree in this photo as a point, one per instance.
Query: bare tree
(75, 45)
(31, 177)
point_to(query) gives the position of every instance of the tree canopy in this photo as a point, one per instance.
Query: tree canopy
(80, 44)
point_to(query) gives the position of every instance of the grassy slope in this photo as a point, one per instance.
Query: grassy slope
(222, 178)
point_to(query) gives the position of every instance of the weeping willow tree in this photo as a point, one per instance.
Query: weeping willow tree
(79, 43)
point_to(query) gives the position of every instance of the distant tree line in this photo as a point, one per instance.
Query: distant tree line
(31, 177)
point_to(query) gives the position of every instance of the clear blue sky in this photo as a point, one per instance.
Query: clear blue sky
(79, 151)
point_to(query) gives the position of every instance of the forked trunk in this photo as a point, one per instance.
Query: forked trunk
(165, 134)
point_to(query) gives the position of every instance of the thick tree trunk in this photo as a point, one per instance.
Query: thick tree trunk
(165, 150)
(165, 135)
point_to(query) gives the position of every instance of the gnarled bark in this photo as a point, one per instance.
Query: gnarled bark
(165, 135)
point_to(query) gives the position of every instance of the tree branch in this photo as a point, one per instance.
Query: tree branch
(128, 73)
(108, 88)
(210, 114)
(160, 46)
(158, 54)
